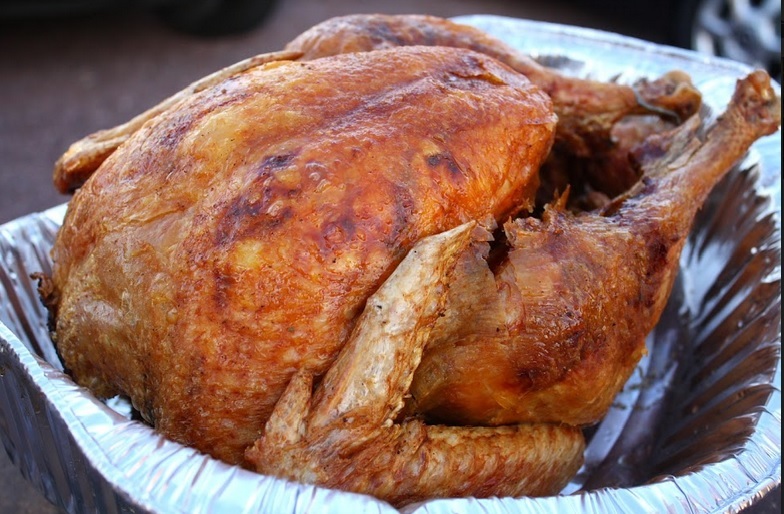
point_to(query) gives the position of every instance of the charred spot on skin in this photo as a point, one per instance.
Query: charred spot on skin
(171, 138)
(383, 32)
(240, 209)
(275, 162)
(223, 283)
(445, 159)
(476, 71)
(562, 355)
(341, 230)
(398, 229)
(248, 213)
(535, 379)
(235, 223)
(658, 250)
(187, 118)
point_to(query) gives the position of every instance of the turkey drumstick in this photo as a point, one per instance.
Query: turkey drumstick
(561, 325)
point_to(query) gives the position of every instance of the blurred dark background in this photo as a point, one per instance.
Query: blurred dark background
(71, 67)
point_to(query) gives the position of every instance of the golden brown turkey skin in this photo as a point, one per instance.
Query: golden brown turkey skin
(234, 239)
(586, 109)
(343, 434)
(562, 321)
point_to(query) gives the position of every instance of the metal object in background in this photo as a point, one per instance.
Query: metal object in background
(743, 30)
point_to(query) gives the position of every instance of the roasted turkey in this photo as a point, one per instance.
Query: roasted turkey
(539, 345)
(235, 239)
(333, 264)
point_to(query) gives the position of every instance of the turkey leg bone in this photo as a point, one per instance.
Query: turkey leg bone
(561, 324)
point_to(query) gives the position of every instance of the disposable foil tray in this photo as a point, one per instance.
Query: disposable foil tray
(696, 429)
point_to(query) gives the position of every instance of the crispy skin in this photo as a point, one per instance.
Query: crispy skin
(234, 240)
(342, 435)
(577, 294)
(587, 109)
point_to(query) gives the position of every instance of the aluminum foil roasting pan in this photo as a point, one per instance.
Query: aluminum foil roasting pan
(697, 428)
